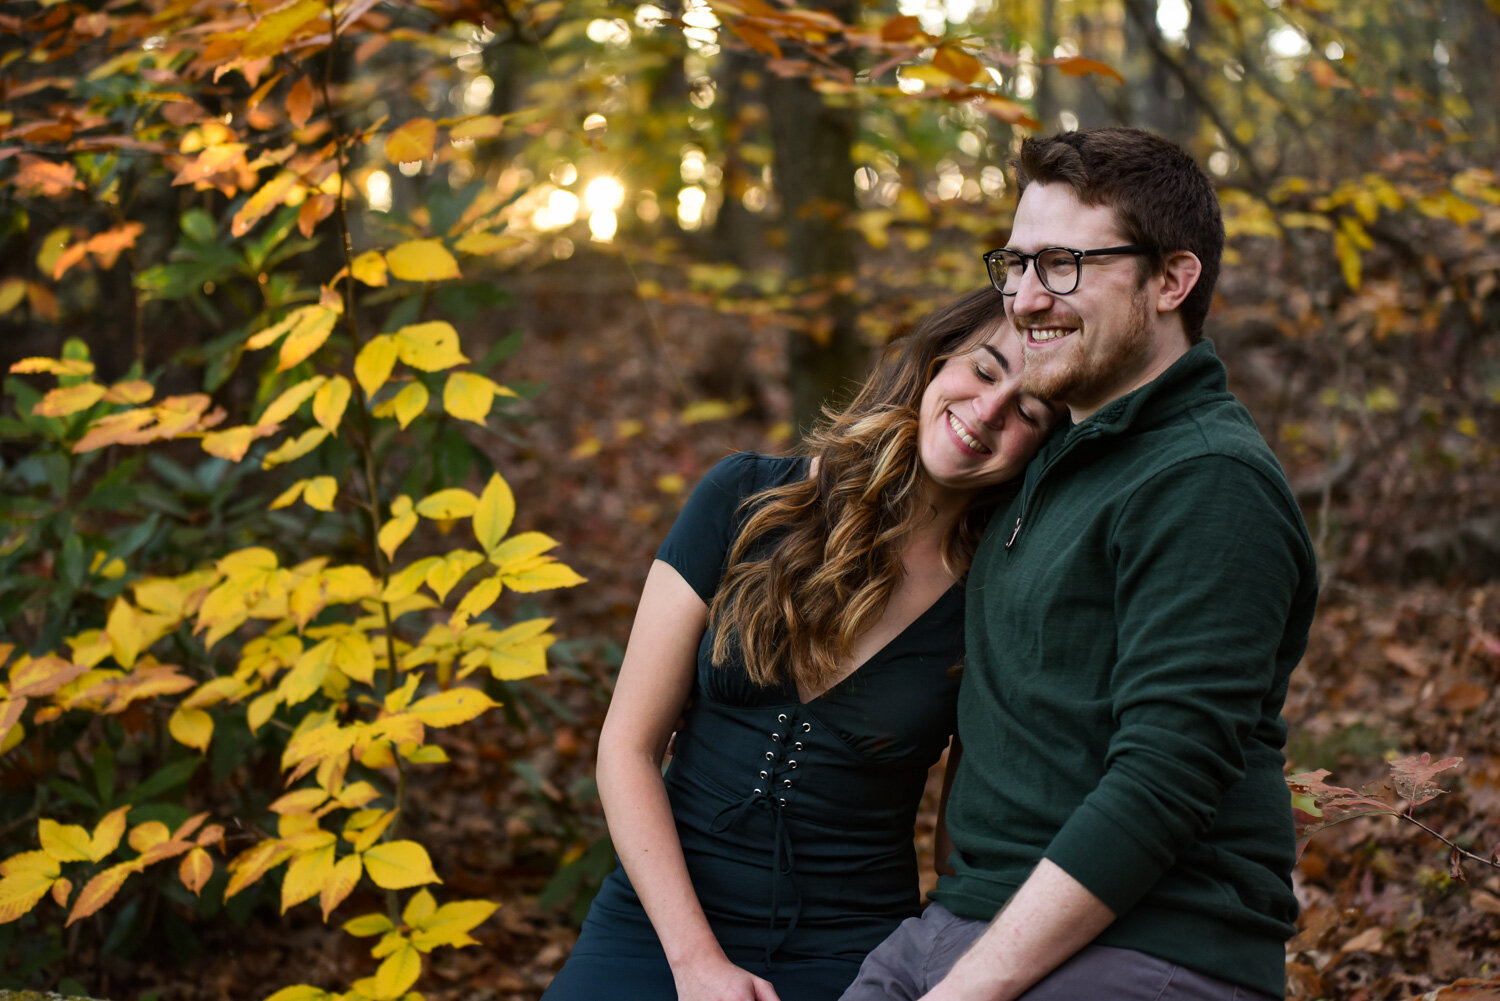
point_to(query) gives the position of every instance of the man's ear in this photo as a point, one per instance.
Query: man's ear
(1178, 277)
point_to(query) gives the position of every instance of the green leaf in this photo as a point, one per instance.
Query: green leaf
(167, 777)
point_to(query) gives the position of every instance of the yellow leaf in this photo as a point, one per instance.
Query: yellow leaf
(307, 336)
(53, 366)
(340, 883)
(399, 865)
(450, 924)
(320, 493)
(405, 583)
(412, 141)
(287, 403)
(289, 496)
(450, 708)
(522, 546)
(63, 842)
(306, 876)
(367, 924)
(146, 836)
(450, 570)
(493, 513)
(196, 869)
(546, 577)
(355, 657)
(1348, 255)
(369, 268)
(308, 673)
(709, 410)
(330, 402)
(20, 892)
(480, 597)
(235, 442)
(260, 710)
(127, 637)
(107, 834)
(395, 532)
(363, 838)
(398, 972)
(478, 127)
(130, 391)
(302, 992)
(430, 347)
(422, 261)
(468, 396)
(270, 195)
(191, 728)
(373, 365)
(253, 863)
(67, 400)
(409, 403)
(276, 26)
(12, 293)
(270, 335)
(62, 889)
(100, 890)
(455, 502)
(479, 243)
(295, 448)
(419, 908)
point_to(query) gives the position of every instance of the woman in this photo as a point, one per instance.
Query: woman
(818, 672)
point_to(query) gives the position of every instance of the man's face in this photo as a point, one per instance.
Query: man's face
(1099, 342)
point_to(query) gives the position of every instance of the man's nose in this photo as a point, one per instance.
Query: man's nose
(1031, 295)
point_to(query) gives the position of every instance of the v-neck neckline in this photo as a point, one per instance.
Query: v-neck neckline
(877, 654)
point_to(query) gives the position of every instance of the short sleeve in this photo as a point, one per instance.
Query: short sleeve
(698, 544)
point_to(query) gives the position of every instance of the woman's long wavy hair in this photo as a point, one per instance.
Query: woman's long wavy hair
(818, 559)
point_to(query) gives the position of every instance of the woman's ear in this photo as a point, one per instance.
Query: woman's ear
(1178, 277)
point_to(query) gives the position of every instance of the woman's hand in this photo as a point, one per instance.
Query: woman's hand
(717, 979)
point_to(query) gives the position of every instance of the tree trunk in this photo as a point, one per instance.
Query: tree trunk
(814, 173)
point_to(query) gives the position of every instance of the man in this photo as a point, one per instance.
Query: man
(1118, 808)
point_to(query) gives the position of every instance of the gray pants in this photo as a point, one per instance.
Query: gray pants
(919, 953)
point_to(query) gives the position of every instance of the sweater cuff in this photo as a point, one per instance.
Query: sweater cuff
(1106, 858)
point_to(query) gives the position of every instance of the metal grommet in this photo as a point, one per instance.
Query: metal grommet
(764, 774)
(759, 792)
(781, 800)
(797, 746)
(786, 783)
(806, 727)
(781, 718)
(791, 763)
(770, 756)
(776, 737)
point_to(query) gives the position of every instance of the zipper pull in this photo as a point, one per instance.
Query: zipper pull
(1014, 532)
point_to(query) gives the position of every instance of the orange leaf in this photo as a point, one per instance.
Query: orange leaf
(195, 870)
(299, 103)
(1079, 66)
(107, 246)
(901, 28)
(412, 141)
(270, 195)
(70, 256)
(957, 63)
(101, 890)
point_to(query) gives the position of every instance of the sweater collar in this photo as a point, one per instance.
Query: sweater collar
(1197, 375)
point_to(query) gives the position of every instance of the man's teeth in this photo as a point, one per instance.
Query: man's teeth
(968, 439)
(1042, 336)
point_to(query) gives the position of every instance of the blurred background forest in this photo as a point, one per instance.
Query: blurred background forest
(660, 233)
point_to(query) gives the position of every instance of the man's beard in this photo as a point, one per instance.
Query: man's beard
(1087, 372)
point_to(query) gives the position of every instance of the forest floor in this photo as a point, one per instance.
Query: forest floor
(1392, 670)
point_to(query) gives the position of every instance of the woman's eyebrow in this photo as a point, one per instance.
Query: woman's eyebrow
(1005, 365)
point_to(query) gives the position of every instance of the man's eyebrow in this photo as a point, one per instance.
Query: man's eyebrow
(1005, 365)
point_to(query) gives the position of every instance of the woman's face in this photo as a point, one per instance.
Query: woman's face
(975, 427)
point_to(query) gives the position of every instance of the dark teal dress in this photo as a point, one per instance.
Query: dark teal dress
(796, 819)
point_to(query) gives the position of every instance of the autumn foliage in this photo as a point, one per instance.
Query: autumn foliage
(262, 577)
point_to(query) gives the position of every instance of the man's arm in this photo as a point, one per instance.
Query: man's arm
(1050, 918)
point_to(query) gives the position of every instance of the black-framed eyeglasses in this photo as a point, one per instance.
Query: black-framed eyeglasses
(1057, 267)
